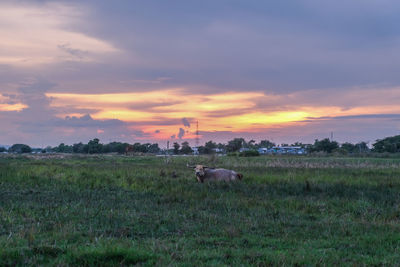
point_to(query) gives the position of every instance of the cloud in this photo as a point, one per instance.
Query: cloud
(41, 119)
(12, 107)
(270, 47)
(267, 67)
(10, 103)
(88, 121)
(234, 111)
(186, 122)
(37, 121)
(181, 133)
(45, 33)
(76, 53)
(357, 117)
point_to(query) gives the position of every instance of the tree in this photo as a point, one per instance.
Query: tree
(176, 148)
(348, 147)
(20, 148)
(2, 149)
(251, 144)
(221, 147)
(154, 148)
(26, 149)
(137, 147)
(325, 145)
(388, 144)
(62, 148)
(78, 148)
(362, 147)
(121, 147)
(299, 144)
(201, 149)
(144, 148)
(186, 149)
(235, 144)
(266, 144)
(115, 147)
(209, 147)
(94, 146)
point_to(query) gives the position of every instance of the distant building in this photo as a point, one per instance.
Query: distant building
(195, 150)
(218, 150)
(295, 150)
(263, 150)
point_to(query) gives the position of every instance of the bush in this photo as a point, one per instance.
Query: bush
(20, 148)
(249, 153)
(324, 145)
(340, 152)
(388, 144)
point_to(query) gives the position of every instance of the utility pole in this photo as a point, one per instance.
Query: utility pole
(167, 154)
(197, 134)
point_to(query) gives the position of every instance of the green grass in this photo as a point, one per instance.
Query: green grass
(112, 210)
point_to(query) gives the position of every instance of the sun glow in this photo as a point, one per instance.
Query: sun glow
(12, 107)
(159, 113)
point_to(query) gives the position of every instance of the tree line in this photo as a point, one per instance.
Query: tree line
(388, 144)
(95, 147)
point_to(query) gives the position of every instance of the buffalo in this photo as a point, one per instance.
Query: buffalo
(204, 173)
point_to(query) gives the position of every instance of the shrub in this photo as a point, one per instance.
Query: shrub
(388, 144)
(249, 153)
(20, 148)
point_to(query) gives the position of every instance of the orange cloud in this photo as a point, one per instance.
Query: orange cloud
(234, 111)
(12, 107)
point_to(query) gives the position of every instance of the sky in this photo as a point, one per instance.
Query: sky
(147, 71)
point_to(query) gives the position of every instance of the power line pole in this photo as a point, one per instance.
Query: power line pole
(197, 134)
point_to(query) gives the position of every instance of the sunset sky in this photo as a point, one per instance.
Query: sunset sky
(146, 71)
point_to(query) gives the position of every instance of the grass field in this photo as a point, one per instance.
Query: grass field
(115, 210)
